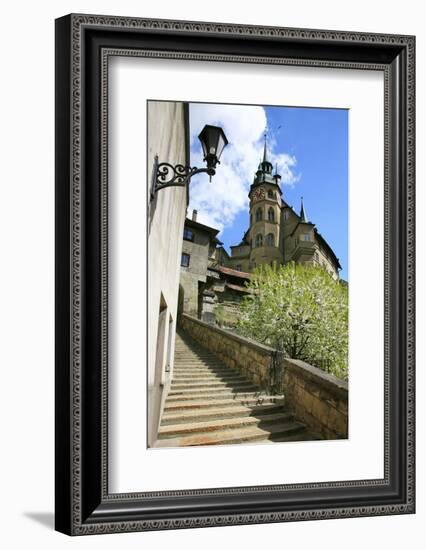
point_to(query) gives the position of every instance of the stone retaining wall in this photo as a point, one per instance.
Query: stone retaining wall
(318, 399)
(251, 359)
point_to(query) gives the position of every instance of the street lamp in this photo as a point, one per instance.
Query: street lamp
(213, 142)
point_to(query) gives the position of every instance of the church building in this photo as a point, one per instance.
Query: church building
(277, 234)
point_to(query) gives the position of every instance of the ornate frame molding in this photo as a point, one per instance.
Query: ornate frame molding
(84, 505)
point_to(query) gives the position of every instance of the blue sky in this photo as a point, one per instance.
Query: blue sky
(310, 147)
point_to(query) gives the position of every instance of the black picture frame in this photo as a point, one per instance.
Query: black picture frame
(83, 504)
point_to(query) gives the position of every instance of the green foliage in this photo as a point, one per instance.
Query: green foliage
(300, 310)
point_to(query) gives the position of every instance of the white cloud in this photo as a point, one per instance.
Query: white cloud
(219, 202)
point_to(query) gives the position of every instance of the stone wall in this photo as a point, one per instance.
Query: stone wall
(318, 399)
(167, 136)
(189, 283)
(253, 360)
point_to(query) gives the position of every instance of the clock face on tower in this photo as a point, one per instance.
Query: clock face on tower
(259, 195)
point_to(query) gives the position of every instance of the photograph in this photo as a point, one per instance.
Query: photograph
(234, 267)
(248, 274)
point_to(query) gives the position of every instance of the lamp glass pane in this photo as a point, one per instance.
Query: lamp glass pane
(212, 134)
(202, 138)
(220, 145)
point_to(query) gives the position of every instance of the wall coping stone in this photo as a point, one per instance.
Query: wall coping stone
(240, 339)
(317, 375)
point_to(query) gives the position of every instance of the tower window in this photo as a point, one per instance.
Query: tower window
(188, 234)
(271, 195)
(306, 237)
(270, 240)
(271, 215)
(259, 215)
(259, 240)
(184, 262)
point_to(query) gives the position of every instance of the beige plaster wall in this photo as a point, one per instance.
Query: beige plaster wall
(166, 216)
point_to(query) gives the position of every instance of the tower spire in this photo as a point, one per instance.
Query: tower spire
(264, 148)
(303, 216)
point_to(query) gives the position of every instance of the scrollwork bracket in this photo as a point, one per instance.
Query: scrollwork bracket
(165, 175)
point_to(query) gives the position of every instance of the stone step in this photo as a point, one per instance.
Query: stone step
(206, 377)
(192, 350)
(215, 413)
(208, 426)
(206, 384)
(194, 367)
(192, 363)
(204, 371)
(247, 434)
(204, 360)
(194, 353)
(228, 393)
(197, 359)
(203, 403)
(197, 364)
(214, 390)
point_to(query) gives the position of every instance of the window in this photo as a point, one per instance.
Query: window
(270, 240)
(259, 215)
(306, 237)
(238, 267)
(184, 262)
(188, 234)
(271, 195)
(259, 240)
(271, 215)
(286, 215)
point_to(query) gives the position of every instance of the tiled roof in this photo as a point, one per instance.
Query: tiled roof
(232, 272)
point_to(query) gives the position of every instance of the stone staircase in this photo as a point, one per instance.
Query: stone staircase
(210, 404)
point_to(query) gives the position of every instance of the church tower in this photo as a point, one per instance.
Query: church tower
(265, 216)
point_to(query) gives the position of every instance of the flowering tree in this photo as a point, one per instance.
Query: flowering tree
(300, 310)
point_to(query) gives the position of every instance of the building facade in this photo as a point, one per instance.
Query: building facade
(276, 233)
(198, 253)
(208, 289)
(167, 138)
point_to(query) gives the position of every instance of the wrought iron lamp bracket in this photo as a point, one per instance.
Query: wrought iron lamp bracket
(166, 175)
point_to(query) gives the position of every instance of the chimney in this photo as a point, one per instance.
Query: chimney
(194, 215)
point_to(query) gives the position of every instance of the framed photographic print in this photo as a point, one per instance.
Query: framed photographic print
(234, 274)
